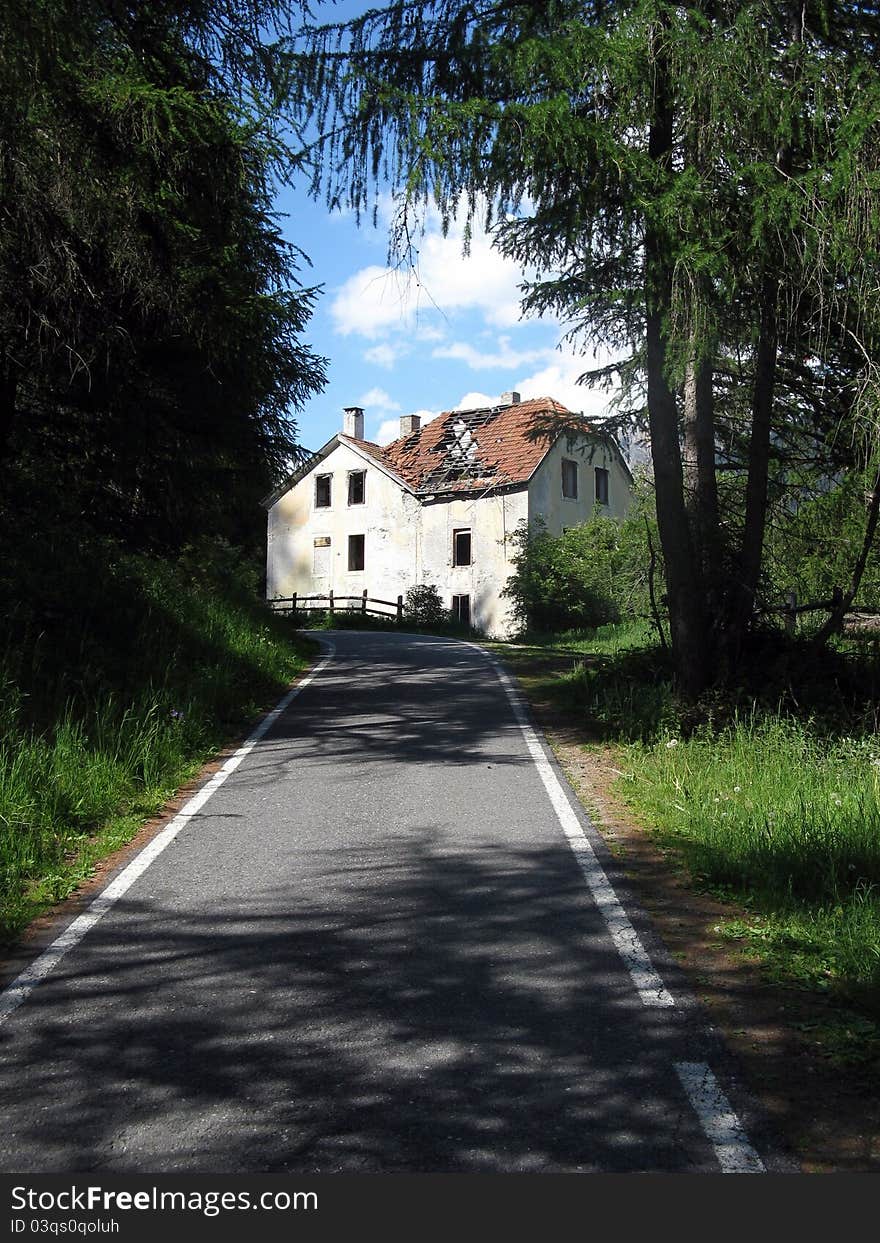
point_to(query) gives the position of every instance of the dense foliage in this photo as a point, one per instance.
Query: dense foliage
(150, 314)
(151, 364)
(588, 575)
(811, 545)
(423, 606)
(696, 186)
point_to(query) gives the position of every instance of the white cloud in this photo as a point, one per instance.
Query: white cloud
(371, 303)
(377, 398)
(375, 302)
(483, 279)
(429, 332)
(503, 357)
(559, 380)
(390, 429)
(474, 401)
(383, 355)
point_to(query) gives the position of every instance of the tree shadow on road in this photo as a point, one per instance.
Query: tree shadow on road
(437, 1008)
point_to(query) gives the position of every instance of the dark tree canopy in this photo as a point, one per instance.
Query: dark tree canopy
(151, 315)
(696, 186)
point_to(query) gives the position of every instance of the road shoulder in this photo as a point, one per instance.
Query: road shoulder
(826, 1114)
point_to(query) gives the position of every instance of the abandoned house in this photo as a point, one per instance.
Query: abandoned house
(438, 505)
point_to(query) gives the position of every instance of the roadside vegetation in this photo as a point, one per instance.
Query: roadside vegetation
(767, 791)
(423, 613)
(152, 362)
(120, 675)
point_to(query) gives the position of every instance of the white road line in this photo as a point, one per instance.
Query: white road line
(24, 984)
(720, 1124)
(725, 1131)
(635, 957)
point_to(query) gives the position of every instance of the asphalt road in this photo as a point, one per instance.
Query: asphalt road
(373, 948)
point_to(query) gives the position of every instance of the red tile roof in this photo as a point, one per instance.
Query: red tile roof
(475, 450)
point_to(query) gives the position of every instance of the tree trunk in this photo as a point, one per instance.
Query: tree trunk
(754, 525)
(8, 395)
(684, 588)
(700, 483)
(687, 619)
(755, 522)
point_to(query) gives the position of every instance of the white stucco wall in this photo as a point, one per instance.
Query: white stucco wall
(389, 520)
(545, 489)
(409, 543)
(492, 520)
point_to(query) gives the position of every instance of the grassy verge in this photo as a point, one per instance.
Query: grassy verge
(128, 676)
(772, 801)
(785, 819)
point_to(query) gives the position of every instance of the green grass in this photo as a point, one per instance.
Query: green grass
(770, 797)
(106, 712)
(609, 640)
(785, 819)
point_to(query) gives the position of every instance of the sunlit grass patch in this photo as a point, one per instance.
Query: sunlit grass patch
(787, 820)
(771, 805)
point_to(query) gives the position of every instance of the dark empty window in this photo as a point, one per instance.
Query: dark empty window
(356, 480)
(569, 478)
(322, 491)
(461, 547)
(601, 485)
(461, 609)
(355, 552)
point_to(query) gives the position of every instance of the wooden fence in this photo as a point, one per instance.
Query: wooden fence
(332, 603)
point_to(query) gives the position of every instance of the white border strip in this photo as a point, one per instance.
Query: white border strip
(725, 1131)
(720, 1124)
(24, 984)
(635, 957)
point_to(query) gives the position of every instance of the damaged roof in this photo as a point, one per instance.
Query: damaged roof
(466, 451)
(475, 450)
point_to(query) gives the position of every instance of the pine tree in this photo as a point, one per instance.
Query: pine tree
(696, 185)
(151, 316)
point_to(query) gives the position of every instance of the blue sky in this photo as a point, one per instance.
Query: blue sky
(448, 335)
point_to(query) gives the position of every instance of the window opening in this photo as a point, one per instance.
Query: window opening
(356, 487)
(461, 547)
(322, 491)
(461, 609)
(601, 485)
(356, 552)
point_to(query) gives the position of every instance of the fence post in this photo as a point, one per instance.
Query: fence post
(330, 598)
(364, 601)
(791, 613)
(400, 610)
(293, 602)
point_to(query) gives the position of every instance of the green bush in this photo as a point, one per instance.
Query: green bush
(590, 575)
(424, 607)
(561, 581)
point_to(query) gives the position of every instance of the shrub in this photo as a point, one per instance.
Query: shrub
(423, 606)
(562, 581)
(588, 576)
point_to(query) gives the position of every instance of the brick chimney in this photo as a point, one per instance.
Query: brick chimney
(510, 399)
(353, 422)
(410, 423)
